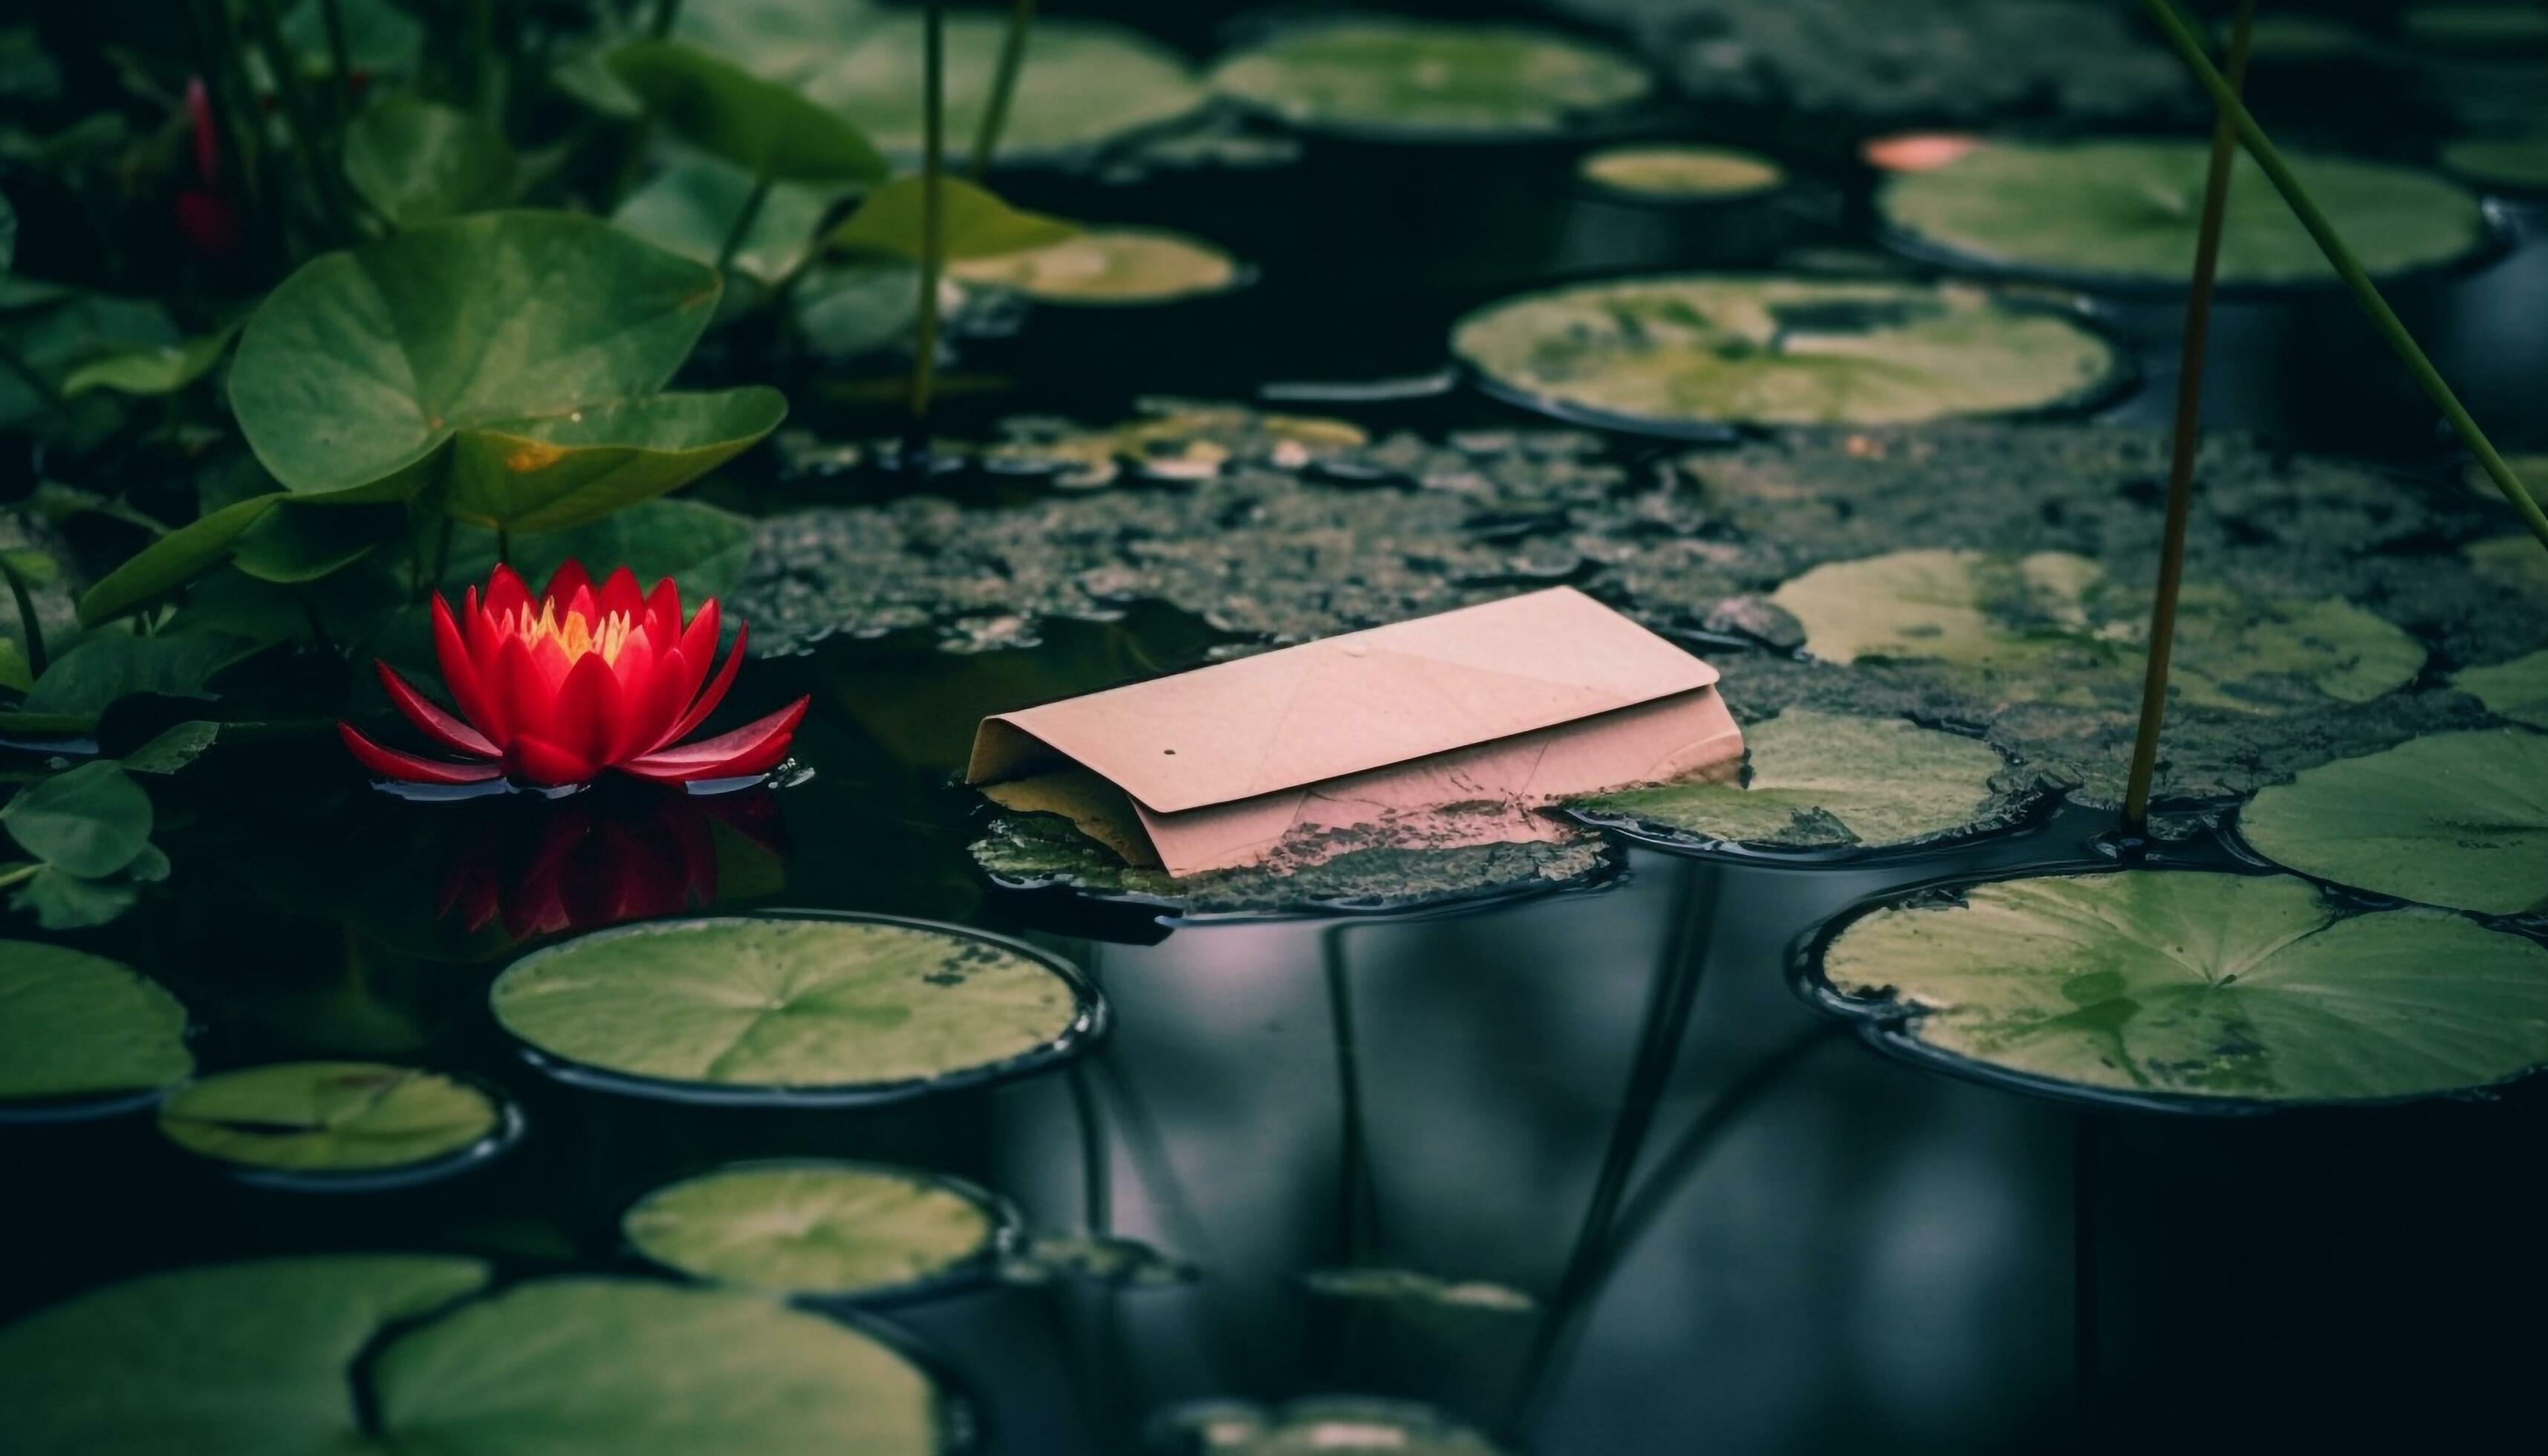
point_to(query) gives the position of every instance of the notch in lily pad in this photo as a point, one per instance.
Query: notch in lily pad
(509, 365)
(2185, 990)
(339, 1126)
(794, 1010)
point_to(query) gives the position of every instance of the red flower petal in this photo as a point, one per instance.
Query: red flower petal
(714, 692)
(436, 724)
(459, 673)
(518, 692)
(506, 593)
(407, 768)
(620, 594)
(528, 760)
(754, 748)
(569, 579)
(699, 647)
(587, 717)
(664, 609)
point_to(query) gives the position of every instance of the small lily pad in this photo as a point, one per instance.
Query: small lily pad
(262, 1357)
(1095, 1258)
(1829, 780)
(832, 1229)
(2182, 987)
(329, 1116)
(1674, 172)
(1695, 353)
(2516, 163)
(2052, 629)
(78, 1026)
(972, 223)
(2456, 819)
(1084, 83)
(2127, 211)
(1415, 1288)
(1175, 440)
(842, 1010)
(1413, 79)
(2518, 690)
(1109, 266)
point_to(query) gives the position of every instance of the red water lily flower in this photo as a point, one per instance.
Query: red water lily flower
(553, 690)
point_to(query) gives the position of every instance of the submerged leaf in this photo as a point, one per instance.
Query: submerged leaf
(810, 1005)
(76, 1024)
(832, 1229)
(2179, 983)
(327, 1116)
(2457, 819)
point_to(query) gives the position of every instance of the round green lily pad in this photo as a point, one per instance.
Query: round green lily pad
(2182, 987)
(2126, 211)
(1413, 79)
(1670, 172)
(1829, 780)
(2456, 819)
(329, 1116)
(2518, 164)
(2052, 629)
(1109, 265)
(2518, 690)
(1083, 84)
(804, 1008)
(1694, 353)
(261, 1357)
(80, 1027)
(833, 1228)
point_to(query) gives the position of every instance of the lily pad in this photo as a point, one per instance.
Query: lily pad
(766, 128)
(2518, 690)
(1345, 1424)
(2456, 819)
(1830, 780)
(1095, 1258)
(162, 1365)
(1423, 79)
(691, 206)
(364, 366)
(549, 473)
(2127, 211)
(972, 223)
(844, 1010)
(833, 1228)
(89, 820)
(1694, 352)
(329, 1117)
(1109, 266)
(2519, 164)
(1672, 172)
(418, 162)
(1415, 1289)
(78, 1026)
(1084, 84)
(2182, 987)
(1175, 440)
(2050, 628)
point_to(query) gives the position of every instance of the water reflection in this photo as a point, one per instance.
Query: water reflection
(603, 856)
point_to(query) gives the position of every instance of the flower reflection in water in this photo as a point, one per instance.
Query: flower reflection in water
(601, 858)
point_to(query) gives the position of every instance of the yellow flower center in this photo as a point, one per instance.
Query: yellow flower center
(574, 634)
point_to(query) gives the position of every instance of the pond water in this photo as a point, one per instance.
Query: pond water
(1704, 1213)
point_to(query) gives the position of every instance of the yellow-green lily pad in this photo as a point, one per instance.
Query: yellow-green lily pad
(1109, 266)
(329, 1116)
(2456, 819)
(77, 1026)
(1678, 172)
(1416, 79)
(830, 1228)
(1084, 83)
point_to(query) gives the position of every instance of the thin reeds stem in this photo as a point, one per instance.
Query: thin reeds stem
(932, 214)
(1004, 87)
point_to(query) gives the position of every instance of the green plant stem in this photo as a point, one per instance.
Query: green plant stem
(2187, 436)
(36, 658)
(666, 13)
(744, 217)
(1004, 86)
(326, 184)
(18, 872)
(932, 217)
(2190, 48)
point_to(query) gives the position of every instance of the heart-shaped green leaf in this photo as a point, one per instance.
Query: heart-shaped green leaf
(691, 207)
(701, 548)
(763, 126)
(359, 370)
(547, 474)
(976, 224)
(91, 820)
(418, 162)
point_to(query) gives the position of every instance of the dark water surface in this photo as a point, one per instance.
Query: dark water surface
(1745, 1230)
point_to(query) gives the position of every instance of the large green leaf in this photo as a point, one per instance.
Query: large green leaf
(2457, 819)
(703, 549)
(812, 1227)
(786, 1004)
(547, 474)
(1679, 352)
(2129, 210)
(163, 369)
(76, 1024)
(363, 365)
(1421, 78)
(301, 541)
(2195, 985)
(691, 206)
(1084, 83)
(974, 222)
(327, 1116)
(174, 560)
(418, 162)
(767, 129)
(113, 664)
(2518, 690)
(260, 1359)
(2050, 628)
(1827, 779)
(91, 820)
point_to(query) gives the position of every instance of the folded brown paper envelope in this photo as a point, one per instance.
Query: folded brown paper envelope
(1492, 709)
